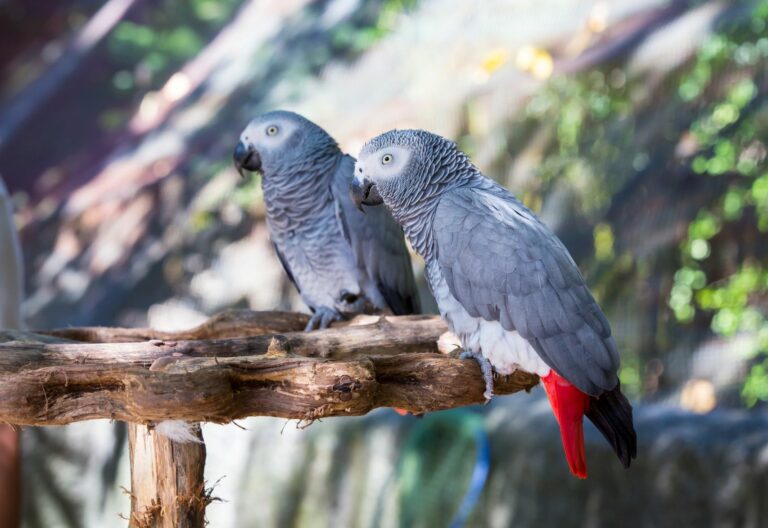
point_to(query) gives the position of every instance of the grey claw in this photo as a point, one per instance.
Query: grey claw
(314, 322)
(322, 319)
(328, 318)
(486, 368)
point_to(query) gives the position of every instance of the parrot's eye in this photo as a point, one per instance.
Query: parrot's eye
(271, 130)
(386, 159)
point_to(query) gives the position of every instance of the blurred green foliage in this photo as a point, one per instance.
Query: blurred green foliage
(172, 32)
(603, 128)
(729, 133)
(584, 112)
(147, 51)
(356, 39)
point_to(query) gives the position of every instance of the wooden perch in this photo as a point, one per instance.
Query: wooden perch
(232, 323)
(167, 480)
(224, 370)
(382, 336)
(220, 371)
(349, 370)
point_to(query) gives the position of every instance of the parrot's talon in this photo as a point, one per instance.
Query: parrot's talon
(487, 370)
(322, 319)
(457, 352)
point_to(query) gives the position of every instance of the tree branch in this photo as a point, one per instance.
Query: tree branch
(228, 324)
(341, 371)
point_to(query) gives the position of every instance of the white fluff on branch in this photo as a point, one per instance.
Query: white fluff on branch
(178, 431)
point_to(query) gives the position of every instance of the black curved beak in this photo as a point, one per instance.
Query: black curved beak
(364, 193)
(246, 158)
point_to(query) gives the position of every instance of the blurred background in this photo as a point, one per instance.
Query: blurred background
(637, 129)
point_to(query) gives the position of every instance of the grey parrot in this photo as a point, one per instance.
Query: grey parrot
(504, 283)
(342, 261)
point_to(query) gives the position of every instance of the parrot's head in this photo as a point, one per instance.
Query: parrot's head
(279, 142)
(403, 167)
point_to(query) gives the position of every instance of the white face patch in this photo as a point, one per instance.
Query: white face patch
(359, 172)
(385, 163)
(268, 134)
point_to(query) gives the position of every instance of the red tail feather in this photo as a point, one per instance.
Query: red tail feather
(569, 405)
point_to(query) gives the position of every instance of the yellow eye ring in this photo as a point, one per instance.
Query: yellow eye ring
(271, 130)
(386, 159)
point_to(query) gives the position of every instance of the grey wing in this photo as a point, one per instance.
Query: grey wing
(501, 263)
(286, 267)
(378, 245)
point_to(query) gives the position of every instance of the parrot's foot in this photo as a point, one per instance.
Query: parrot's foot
(486, 368)
(322, 318)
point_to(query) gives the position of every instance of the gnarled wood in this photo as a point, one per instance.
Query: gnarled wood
(167, 485)
(231, 323)
(221, 371)
(381, 336)
(227, 388)
(350, 370)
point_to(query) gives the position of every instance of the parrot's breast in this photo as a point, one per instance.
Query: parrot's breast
(507, 351)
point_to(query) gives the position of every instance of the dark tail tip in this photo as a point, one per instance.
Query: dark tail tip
(612, 415)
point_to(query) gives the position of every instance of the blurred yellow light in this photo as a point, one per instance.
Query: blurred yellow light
(149, 108)
(495, 60)
(543, 65)
(525, 57)
(698, 396)
(538, 62)
(177, 86)
(598, 18)
(604, 241)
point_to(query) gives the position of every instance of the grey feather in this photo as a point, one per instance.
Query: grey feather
(343, 262)
(544, 298)
(286, 266)
(377, 243)
(489, 257)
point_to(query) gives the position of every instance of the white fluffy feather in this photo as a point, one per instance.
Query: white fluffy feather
(507, 351)
(178, 431)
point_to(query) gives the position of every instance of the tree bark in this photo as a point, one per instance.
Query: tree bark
(222, 389)
(221, 371)
(228, 324)
(167, 485)
(380, 336)
(344, 371)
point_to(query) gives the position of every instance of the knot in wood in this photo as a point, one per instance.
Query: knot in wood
(346, 385)
(161, 343)
(278, 347)
(162, 363)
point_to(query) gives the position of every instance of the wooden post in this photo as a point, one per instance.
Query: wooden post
(10, 477)
(223, 370)
(167, 485)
